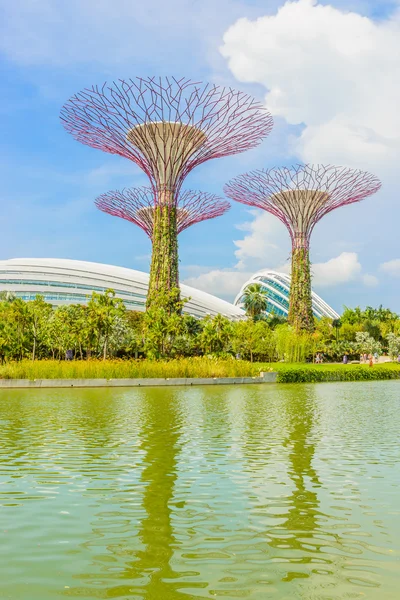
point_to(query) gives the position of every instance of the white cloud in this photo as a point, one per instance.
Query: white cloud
(334, 71)
(221, 282)
(342, 269)
(263, 243)
(370, 280)
(391, 267)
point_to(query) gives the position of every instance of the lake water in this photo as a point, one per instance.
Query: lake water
(252, 492)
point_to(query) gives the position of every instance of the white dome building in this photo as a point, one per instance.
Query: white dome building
(277, 286)
(62, 281)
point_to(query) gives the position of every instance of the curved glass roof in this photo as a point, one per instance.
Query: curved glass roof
(277, 287)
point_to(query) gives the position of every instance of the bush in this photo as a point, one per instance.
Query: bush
(337, 373)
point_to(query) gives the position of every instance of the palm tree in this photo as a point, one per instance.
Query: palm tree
(255, 300)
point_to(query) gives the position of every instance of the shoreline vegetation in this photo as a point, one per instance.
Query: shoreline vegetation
(195, 368)
(103, 340)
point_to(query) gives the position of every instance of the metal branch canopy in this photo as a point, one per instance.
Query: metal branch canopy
(300, 196)
(137, 205)
(167, 126)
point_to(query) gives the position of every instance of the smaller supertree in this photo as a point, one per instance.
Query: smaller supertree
(139, 206)
(300, 197)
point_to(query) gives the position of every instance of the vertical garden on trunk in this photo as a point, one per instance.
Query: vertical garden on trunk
(300, 299)
(164, 269)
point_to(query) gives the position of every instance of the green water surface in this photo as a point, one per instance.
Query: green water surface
(253, 492)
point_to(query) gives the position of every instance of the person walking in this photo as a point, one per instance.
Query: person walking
(371, 360)
(345, 359)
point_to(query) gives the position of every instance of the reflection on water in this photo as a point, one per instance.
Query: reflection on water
(299, 528)
(243, 492)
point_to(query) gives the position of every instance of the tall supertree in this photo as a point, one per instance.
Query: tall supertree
(167, 126)
(138, 206)
(300, 197)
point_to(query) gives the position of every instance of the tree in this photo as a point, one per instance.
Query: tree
(39, 313)
(394, 345)
(255, 300)
(104, 311)
(216, 334)
(253, 338)
(16, 329)
(367, 344)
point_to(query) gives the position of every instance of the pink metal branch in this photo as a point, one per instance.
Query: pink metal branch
(302, 195)
(167, 126)
(137, 205)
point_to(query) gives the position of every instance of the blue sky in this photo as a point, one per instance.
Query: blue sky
(329, 71)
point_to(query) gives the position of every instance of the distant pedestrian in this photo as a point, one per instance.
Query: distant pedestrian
(376, 357)
(361, 358)
(398, 358)
(345, 359)
(371, 360)
(365, 358)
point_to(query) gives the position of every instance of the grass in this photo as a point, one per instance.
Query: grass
(128, 369)
(193, 367)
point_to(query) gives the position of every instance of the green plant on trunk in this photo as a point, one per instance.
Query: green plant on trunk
(301, 315)
(164, 270)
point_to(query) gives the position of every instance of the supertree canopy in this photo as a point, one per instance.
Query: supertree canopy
(300, 197)
(167, 126)
(137, 205)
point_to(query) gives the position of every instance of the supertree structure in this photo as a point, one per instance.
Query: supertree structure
(167, 126)
(138, 206)
(300, 196)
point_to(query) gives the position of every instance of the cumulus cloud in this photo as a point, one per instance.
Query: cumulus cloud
(391, 267)
(264, 242)
(225, 283)
(334, 71)
(370, 280)
(342, 269)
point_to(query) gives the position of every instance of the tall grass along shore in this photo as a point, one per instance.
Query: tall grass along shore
(193, 367)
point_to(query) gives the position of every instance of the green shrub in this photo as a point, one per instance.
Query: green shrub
(338, 373)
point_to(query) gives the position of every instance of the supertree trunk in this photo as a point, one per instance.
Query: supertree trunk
(164, 269)
(300, 315)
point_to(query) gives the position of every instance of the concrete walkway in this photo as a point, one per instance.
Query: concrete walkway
(269, 377)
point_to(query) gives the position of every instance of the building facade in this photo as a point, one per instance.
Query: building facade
(277, 287)
(62, 281)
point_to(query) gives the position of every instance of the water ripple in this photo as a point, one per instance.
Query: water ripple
(249, 492)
